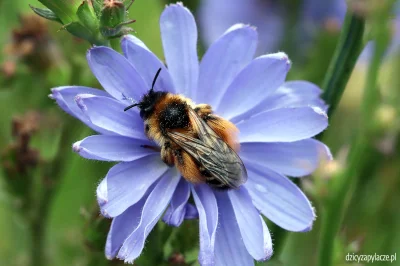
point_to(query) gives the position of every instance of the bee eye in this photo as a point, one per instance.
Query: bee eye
(142, 113)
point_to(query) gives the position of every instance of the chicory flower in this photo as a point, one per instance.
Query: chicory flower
(276, 119)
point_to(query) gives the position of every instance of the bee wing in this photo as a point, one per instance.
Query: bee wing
(212, 153)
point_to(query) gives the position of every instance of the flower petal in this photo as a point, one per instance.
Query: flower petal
(223, 60)
(279, 199)
(291, 94)
(176, 212)
(126, 183)
(152, 210)
(283, 125)
(191, 212)
(229, 247)
(179, 38)
(146, 63)
(299, 158)
(112, 148)
(267, 16)
(267, 239)
(122, 226)
(297, 93)
(108, 113)
(208, 221)
(114, 72)
(249, 223)
(254, 84)
(65, 98)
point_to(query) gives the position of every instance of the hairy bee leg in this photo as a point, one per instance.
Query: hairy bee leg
(203, 110)
(178, 155)
(187, 166)
(167, 155)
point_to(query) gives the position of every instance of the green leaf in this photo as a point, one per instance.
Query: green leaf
(46, 13)
(64, 9)
(78, 30)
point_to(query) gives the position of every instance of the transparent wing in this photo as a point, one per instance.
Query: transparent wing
(211, 152)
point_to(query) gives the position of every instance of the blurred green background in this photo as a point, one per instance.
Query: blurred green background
(69, 229)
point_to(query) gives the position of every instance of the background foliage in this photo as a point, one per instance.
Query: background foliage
(60, 186)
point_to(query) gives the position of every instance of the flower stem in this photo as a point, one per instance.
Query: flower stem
(344, 183)
(50, 179)
(38, 228)
(344, 59)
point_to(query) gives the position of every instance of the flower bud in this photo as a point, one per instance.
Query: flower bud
(96, 21)
(112, 19)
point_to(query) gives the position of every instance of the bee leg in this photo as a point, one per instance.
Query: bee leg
(178, 154)
(167, 155)
(203, 110)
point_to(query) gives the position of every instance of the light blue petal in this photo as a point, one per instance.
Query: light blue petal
(108, 114)
(255, 83)
(112, 148)
(283, 125)
(65, 98)
(122, 226)
(215, 16)
(299, 158)
(208, 221)
(126, 183)
(179, 38)
(152, 211)
(222, 61)
(146, 63)
(114, 72)
(250, 225)
(176, 212)
(229, 247)
(279, 199)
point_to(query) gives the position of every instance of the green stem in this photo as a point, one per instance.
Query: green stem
(38, 228)
(49, 180)
(343, 184)
(344, 59)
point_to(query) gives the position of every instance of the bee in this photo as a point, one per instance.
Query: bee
(192, 138)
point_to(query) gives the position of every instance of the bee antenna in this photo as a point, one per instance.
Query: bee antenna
(155, 78)
(131, 106)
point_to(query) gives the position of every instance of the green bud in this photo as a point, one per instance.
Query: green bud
(97, 6)
(97, 21)
(87, 16)
(113, 13)
(112, 19)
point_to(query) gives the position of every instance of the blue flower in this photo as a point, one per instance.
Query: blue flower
(276, 119)
(268, 16)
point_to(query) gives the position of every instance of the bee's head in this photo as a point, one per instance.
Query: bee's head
(148, 103)
(149, 100)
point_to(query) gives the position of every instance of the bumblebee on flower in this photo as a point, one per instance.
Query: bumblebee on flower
(276, 121)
